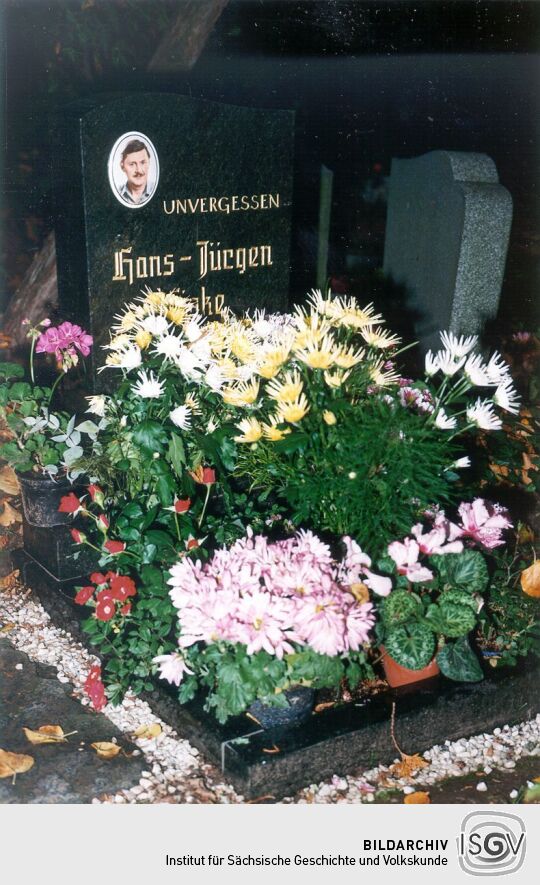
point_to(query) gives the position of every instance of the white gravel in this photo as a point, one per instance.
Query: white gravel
(177, 773)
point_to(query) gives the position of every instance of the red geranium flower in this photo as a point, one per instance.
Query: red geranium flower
(98, 578)
(105, 608)
(69, 504)
(182, 505)
(97, 695)
(84, 594)
(125, 610)
(122, 587)
(96, 494)
(78, 537)
(114, 546)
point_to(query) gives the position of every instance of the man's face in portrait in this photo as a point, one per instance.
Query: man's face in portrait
(135, 166)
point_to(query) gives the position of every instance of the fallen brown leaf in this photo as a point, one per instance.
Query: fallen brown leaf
(8, 582)
(273, 749)
(47, 734)
(530, 580)
(105, 749)
(408, 765)
(12, 764)
(9, 515)
(147, 732)
(325, 705)
(8, 481)
(7, 628)
(418, 798)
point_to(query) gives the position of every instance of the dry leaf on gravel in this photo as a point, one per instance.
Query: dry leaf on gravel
(12, 764)
(408, 765)
(47, 734)
(530, 580)
(418, 798)
(7, 628)
(105, 749)
(8, 481)
(147, 732)
(9, 515)
(8, 582)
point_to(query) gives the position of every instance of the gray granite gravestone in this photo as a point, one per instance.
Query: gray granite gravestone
(169, 192)
(446, 240)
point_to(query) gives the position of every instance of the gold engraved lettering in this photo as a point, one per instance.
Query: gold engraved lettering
(141, 268)
(266, 256)
(213, 203)
(226, 254)
(253, 256)
(173, 204)
(120, 262)
(273, 201)
(168, 261)
(219, 303)
(244, 202)
(225, 204)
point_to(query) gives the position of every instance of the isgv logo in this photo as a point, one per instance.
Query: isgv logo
(491, 844)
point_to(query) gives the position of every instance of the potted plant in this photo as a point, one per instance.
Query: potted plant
(261, 620)
(439, 584)
(44, 444)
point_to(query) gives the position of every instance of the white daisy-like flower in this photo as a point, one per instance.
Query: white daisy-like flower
(168, 346)
(188, 363)
(458, 347)
(444, 421)
(448, 364)
(155, 324)
(193, 329)
(462, 462)
(431, 364)
(211, 426)
(129, 357)
(148, 386)
(181, 416)
(261, 326)
(202, 350)
(482, 414)
(214, 378)
(97, 405)
(497, 369)
(476, 370)
(506, 397)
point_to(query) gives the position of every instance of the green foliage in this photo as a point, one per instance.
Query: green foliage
(399, 607)
(411, 645)
(451, 619)
(466, 571)
(458, 661)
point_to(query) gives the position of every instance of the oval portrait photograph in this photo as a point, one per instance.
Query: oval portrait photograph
(133, 169)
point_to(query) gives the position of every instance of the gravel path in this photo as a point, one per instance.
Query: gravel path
(175, 770)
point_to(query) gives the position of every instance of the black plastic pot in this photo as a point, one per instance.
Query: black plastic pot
(41, 498)
(300, 698)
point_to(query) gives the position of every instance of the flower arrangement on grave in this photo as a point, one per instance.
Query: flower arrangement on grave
(329, 426)
(43, 440)
(260, 618)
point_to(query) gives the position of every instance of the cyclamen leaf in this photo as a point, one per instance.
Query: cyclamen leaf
(411, 645)
(463, 571)
(457, 661)
(450, 619)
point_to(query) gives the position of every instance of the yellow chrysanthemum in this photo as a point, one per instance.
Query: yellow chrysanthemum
(350, 314)
(382, 378)
(251, 431)
(113, 359)
(193, 403)
(288, 389)
(156, 299)
(143, 338)
(242, 346)
(318, 355)
(273, 432)
(336, 379)
(329, 417)
(311, 327)
(272, 361)
(379, 339)
(118, 342)
(228, 368)
(126, 321)
(295, 411)
(244, 394)
(348, 357)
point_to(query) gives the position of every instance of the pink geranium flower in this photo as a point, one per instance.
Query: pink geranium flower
(64, 341)
(484, 522)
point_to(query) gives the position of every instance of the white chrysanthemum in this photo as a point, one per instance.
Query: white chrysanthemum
(155, 324)
(444, 421)
(211, 426)
(482, 414)
(169, 346)
(458, 347)
(448, 364)
(202, 350)
(261, 325)
(129, 357)
(431, 364)
(506, 397)
(181, 416)
(188, 363)
(148, 386)
(97, 405)
(462, 462)
(193, 329)
(214, 378)
(476, 370)
(497, 369)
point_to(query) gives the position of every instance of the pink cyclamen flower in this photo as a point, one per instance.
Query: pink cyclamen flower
(172, 667)
(65, 338)
(435, 540)
(405, 555)
(379, 584)
(484, 522)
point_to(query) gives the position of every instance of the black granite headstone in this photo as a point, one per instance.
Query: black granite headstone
(166, 191)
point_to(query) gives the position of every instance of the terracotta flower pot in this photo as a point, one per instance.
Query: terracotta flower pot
(397, 675)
